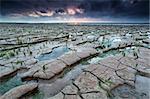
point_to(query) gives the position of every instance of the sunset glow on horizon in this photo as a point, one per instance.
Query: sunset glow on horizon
(74, 11)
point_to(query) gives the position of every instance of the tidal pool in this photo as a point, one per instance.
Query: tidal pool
(9, 84)
(35, 95)
(101, 56)
(56, 52)
(96, 59)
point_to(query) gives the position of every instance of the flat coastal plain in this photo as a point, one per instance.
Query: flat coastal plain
(74, 61)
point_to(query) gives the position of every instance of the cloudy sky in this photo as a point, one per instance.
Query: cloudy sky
(45, 11)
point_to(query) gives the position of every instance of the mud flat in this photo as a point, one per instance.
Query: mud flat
(61, 61)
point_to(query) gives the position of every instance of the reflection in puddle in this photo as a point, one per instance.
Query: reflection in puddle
(35, 95)
(38, 95)
(102, 56)
(9, 84)
(54, 54)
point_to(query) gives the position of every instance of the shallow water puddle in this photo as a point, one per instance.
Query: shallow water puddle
(35, 95)
(111, 41)
(99, 57)
(9, 84)
(56, 52)
(142, 85)
(127, 92)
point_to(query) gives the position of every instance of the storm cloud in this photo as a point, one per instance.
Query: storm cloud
(96, 9)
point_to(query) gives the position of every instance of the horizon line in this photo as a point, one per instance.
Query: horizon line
(129, 22)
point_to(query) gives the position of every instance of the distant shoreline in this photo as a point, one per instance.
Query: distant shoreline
(79, 23)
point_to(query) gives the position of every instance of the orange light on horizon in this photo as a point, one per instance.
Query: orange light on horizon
(81, 20)
(71, 11)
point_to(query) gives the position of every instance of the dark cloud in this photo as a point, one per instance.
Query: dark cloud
(133, 8)
(78, 8)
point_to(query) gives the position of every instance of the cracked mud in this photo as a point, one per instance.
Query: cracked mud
(82, 62)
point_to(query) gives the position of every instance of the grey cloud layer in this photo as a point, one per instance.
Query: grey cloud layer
(79, 8)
